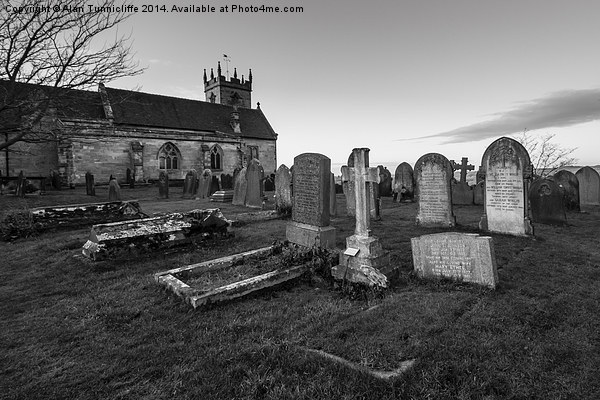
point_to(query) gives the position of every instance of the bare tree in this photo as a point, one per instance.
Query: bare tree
(57, 47)
(546, 155)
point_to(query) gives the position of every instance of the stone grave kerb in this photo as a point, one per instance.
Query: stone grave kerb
(364, 260)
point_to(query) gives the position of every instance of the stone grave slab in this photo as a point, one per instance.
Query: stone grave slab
(90, 188)
(190, 185)
(254, 190)
(462, 256)
(163, 185)
(283, 192)
(508, 172)
(385, 182)
(114, 190)
(433, 175)
(240, 186)
(589, 188)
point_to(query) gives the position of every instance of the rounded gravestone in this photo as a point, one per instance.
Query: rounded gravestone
(546, 199)
(433, 174)
(404, 182)
(569, 185)
(589, 187)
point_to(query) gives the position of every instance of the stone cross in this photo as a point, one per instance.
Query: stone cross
(464, 166)
(362, 175)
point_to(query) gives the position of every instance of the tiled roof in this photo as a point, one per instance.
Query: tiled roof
(152, 110)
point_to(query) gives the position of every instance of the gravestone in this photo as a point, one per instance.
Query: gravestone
(478, 194)
(348, 187)
(240, 186)
(385, 182)
(404, 183)
(332, 197)
(55, 180)
(283, 193)
(163, 185)
(204, 183)
(462, 256)
(90, 188)
(364, 260)
(270, 183)
(254, 177)
(114, 190)
(130, 178)
(589, 188)
(508, 171)
(433, 174)
(462, 193)
(190, 184)
(21, 183)
(214, 185)
(546, 199)
(310, 213)
(226, 182)
(569, 185)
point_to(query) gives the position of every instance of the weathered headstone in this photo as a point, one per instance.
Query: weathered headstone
(310, 213)
(204, 182)
(332, 197)
(348, 187)
(163, 185)
(404, 183)
(130, 178)
(385, 182)
(55, 180)
(240, 186)
(189, 184)
(462, 193)
(508, 171)
(90, 188)
(364, 260)
(114, 190)
(462, 256)
(21, 183)
(433, 174)
(283, 194)
(569, 185)
(589, 188)
(254, 177)
(214, 185)
(478, 193)
(226, 182)
(270, 183)
(546, 199)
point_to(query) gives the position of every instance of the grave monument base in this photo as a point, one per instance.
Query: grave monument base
(310, 235)
(370, 265)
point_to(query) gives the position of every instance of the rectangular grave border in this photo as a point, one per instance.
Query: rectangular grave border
(231, 291)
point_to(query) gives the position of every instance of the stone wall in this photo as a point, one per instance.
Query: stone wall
(267, 153)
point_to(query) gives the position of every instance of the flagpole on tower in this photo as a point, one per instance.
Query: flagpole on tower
(226, 59)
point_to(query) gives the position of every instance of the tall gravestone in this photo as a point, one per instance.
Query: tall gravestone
(433, 175)
(508, 172)
(589, 188)
(462, 256)
(55, 179)
(204, 182)
(90, 188)
(114, 190)
(283, 193)
(21, 181)
(546, 199)
(254, 176)
(364, 260)
(404, 183)
(462, 193)
(226, 182)
(385, 182)
(163, 185)
(240, 186)
(310, 214)
(569, 185)
(190, 184)
(214, 185)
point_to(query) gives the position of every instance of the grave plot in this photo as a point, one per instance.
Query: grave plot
(148, 234)
(35, 220)
(235, 276)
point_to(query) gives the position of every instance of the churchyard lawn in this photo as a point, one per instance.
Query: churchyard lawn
(75, 328)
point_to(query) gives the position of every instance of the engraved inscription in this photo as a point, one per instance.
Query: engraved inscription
(308, 194)
(433, 197)
(450, 259)
(504, 190)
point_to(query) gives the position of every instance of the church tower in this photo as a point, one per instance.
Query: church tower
(232, 92)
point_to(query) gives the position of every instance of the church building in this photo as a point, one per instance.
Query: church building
(112, 130)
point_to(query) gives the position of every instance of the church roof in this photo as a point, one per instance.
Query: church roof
(152, 110)
(149, 110)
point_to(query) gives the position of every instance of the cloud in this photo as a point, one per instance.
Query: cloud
(559, 109)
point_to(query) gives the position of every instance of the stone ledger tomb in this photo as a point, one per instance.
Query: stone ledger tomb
(462, 256)
(310, 214)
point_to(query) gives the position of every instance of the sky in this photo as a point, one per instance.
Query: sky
(402, 78)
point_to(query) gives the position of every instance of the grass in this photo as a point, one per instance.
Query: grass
(76, 329)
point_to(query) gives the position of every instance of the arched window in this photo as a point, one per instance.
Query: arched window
(169, 157)
(216, 157)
